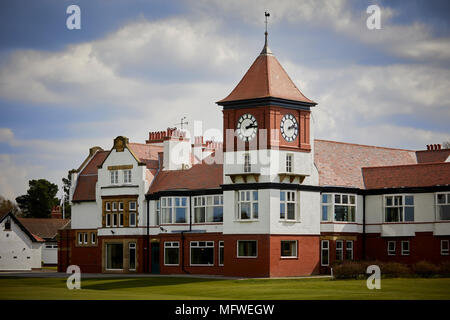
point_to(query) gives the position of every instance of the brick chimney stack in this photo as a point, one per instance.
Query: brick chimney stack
(56, 212)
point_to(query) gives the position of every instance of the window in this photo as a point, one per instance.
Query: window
(338, 207)
(132, 256)
(391, 248)
(121, 206)
(247, 164)
(289, 162)
(208, 209)
(80, 238)
(288, 248)
(157, 212)
(114, 174)
(324, 252)
(202, 253)
(174, 209)
(221, 252)
(114, 206)
(399, 208)
(120, 219)
(443, 206)
(114, 256)
(444, 247)
(93, 238)
(132, 219)
(85, 238)
(126, 176)
(108, 206)
(405, 248)
(247, 249)
(114, 223)
(247, 205)
(132, 205)
(108, 219)
(8, 224)
(349, 250)
(171, 253)
(288, 205)
(339, 250)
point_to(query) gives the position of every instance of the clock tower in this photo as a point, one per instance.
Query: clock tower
(268, 170)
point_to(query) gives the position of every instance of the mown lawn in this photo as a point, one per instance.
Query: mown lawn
(190, 288)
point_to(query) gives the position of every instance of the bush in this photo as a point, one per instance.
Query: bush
(444, 268)
(394, 269)
(348, 270)
(425, 269)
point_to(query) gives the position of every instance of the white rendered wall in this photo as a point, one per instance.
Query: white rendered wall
(86, 215)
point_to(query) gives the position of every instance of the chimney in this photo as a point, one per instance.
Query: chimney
(56, 212)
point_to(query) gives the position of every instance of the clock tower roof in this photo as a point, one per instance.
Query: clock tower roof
(266, 78)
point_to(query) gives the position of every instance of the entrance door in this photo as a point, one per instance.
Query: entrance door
(155, 258)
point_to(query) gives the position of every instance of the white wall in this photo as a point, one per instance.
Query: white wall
(16, 243)
(86, 215)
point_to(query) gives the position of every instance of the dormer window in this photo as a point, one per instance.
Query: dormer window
(114, 176)
(126, 176)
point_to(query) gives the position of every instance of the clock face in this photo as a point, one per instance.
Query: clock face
(289, 127)
(247, 127)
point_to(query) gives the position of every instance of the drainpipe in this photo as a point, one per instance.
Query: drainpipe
(147, 266)
(364, 229)
(182, 252)
(190, 213)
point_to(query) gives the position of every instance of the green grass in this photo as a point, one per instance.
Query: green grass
(195, 288)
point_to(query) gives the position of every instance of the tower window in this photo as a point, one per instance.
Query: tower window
(289, 158)
(247, 164)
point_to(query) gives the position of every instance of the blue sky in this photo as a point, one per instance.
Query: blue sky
(138, 66)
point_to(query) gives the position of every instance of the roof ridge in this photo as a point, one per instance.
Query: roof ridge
(409, 165)
(364, 145)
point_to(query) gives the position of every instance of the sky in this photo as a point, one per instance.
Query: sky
(137, 66)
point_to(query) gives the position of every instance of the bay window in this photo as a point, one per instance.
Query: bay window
(174, 209)
(288, 205)
(247, 205)
(208, 209)
(338, 207)
(398, 208)
(324, 252)
(339, 250)
(443, 206)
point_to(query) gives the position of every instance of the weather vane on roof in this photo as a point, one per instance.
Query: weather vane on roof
(267, 14)
(182, 123)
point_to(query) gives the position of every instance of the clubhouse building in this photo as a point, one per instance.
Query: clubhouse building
(269, 201)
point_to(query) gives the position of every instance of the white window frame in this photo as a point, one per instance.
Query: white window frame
(129, 219)
(172, 200)
(347, 249)
(157, 212)
(114, 221)
(108, 206)
(289, 163)
(114, 176)
(121, 206)
(132, 245)
(445, 252)
(208, 203)
(173, 244)
(127, 176)
(120, 217)
(221, 255)
(438, 205)
(80, 238)
(247, 163)
(196, 245)
(288, 195)
(86, 237)
(114, 206)
(108, 220)
(130, 206)
(322, 248)
(93, 238)
(340, 250)
(296, 249)
(246, 257)
(251, 195)
(333, 204)
(403, 206)
(392, 252)
(406, 252)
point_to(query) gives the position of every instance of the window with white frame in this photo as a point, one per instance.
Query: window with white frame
(80, 238)
(120, 206)
(349, 250)
(288, 205)
(405, 248)
(132, 205)
(324, 252)
(108, 206)
(132, 256)
(114, 220)
(126, 176)
(221, 252)
(174, 209)
(114, 175)
(171, 253)
(247, 248)
(398, 208)
(338, 207)
(114, 206)
(247, 163)
(132, 219)
(108, 219)
(121, 219)
(444, 247)
(132, 215)
(339, 250)
(443, 206)
(202, 253)
(247, 205)
(289, 158)
(208, 209)
(86, 238)
(289, 248)
(157, 212)
(391, 248)
(93, 238)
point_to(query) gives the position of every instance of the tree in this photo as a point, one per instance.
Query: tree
(446, 144)
(7, 205)
(39, 200)
(67, 182)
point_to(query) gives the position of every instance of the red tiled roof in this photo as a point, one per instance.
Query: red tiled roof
(85, 188)
(425, 156)
(200, 176)
(266, 78)
(416, 175)
(145, 151)
(45, 228)
(340, 164)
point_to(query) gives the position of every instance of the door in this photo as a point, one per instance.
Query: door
(155, 258)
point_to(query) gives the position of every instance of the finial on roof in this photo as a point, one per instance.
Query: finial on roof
(266, 49)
